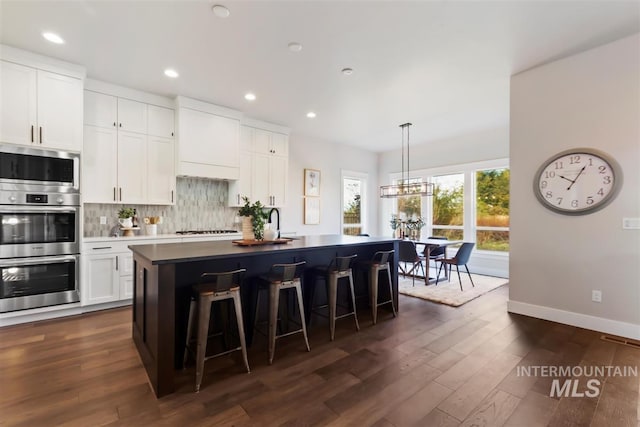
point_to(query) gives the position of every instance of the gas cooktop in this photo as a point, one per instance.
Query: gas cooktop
(206, 232)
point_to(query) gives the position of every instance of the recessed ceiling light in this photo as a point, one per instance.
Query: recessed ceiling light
(347, 71)
(220, 11)
(250, 96)
(311, 115)
(295, 47)
(171, 73)
(53, 38)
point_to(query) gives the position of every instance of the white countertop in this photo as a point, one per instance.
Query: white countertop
(227, 236)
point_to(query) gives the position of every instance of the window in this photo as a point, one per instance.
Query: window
(353, 195)
(492, 209)
(448, 206)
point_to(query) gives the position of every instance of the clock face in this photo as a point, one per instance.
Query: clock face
(577, 182)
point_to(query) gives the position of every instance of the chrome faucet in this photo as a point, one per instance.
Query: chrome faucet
(278, 217)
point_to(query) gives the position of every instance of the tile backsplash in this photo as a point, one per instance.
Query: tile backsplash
(201, 204)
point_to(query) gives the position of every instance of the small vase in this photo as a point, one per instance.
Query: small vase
(125, 222)
(152, 229)
(247, 228)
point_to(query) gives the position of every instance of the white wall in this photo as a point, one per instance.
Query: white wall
(588, 100)
(330, 159)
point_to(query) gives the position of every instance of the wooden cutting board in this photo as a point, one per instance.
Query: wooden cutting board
(260, 242)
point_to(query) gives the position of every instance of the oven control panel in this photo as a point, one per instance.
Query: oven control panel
(39, 199)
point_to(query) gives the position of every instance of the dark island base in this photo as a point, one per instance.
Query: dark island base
(162, 291)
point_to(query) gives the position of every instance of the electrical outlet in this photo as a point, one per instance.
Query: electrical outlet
(103, 220)
(596, 296)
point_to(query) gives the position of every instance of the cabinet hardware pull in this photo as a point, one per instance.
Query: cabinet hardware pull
(114, 194)
(171, 196)
(171, 133)
(238, 197)
(120, 124)
(31, 133)
(40, 134)
(114, 124)
(120, 193)
(117, 262)
(102, 247)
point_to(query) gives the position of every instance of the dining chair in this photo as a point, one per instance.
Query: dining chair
(408, 254)
(461, 258)
(436, 252)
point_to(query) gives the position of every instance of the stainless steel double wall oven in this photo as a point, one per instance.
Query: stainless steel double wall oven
(40, 227)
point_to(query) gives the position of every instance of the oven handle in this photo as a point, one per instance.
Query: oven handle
(38, 260)
(18, 209)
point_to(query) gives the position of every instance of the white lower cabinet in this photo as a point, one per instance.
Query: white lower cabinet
(107, 273)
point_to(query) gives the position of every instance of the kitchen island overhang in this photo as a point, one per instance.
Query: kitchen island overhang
(165, 272)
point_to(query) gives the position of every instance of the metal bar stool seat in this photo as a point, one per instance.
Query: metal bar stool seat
(377, 264)
(281, 277)
(213, 287)
(340, 268)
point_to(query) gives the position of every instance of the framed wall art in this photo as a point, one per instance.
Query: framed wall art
(311, 182)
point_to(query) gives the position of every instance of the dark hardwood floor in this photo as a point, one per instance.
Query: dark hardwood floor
(431, 366)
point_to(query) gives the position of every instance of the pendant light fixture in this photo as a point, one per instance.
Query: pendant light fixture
(405, 187)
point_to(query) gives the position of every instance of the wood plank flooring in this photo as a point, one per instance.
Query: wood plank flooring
(433, 365)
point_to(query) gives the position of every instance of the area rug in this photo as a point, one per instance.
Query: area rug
(449, 293)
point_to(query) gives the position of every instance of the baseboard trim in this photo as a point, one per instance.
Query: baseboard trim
(600, 324)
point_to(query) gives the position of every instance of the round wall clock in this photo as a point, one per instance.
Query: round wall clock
(577, 181)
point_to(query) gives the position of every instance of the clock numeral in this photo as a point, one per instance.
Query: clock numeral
(559, 199)
(543, 184)
(602, 169)
(574, 159)
(548, 194)
(601, 192)
(606, 180)
(590, 161)
(549, 174)
(574, 203)
(559, 165)
(589, 200)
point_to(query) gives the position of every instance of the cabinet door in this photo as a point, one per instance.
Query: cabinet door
(161, 121)
(161, 177)
(132, 167)
(100, 109)
(261, 141)
(59, 111)
(99, 165)
(280, 144)
(132, 116)
(278, 180)
(103, 280)
(125, 269)
(18, 103)
(260, 179)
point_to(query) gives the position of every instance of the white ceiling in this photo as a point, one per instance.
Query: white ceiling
(443, 65)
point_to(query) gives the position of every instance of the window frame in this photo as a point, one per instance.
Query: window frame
(362, 177)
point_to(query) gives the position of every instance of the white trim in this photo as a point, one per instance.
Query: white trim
(247, 121)
(41, 62)
(600, 324)
(195, 104)
(55, 312)
(128, 93)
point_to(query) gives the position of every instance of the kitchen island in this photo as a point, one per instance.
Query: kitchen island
(164, 274)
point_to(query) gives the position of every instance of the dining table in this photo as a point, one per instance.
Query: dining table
(429, 245)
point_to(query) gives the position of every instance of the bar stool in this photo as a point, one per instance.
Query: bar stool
(340, 268)
(377, 264)
(213, 287)
(281, 277)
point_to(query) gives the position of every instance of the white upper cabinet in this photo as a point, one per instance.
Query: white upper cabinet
(132, 116)
(161, 121)
(128, 163)
(208, 140)
(263, 169)
(100, 109)
(40, 108)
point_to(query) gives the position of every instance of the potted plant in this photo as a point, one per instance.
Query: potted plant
(414, 225)
(125, 216)
(254, 215)
(395, 225)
